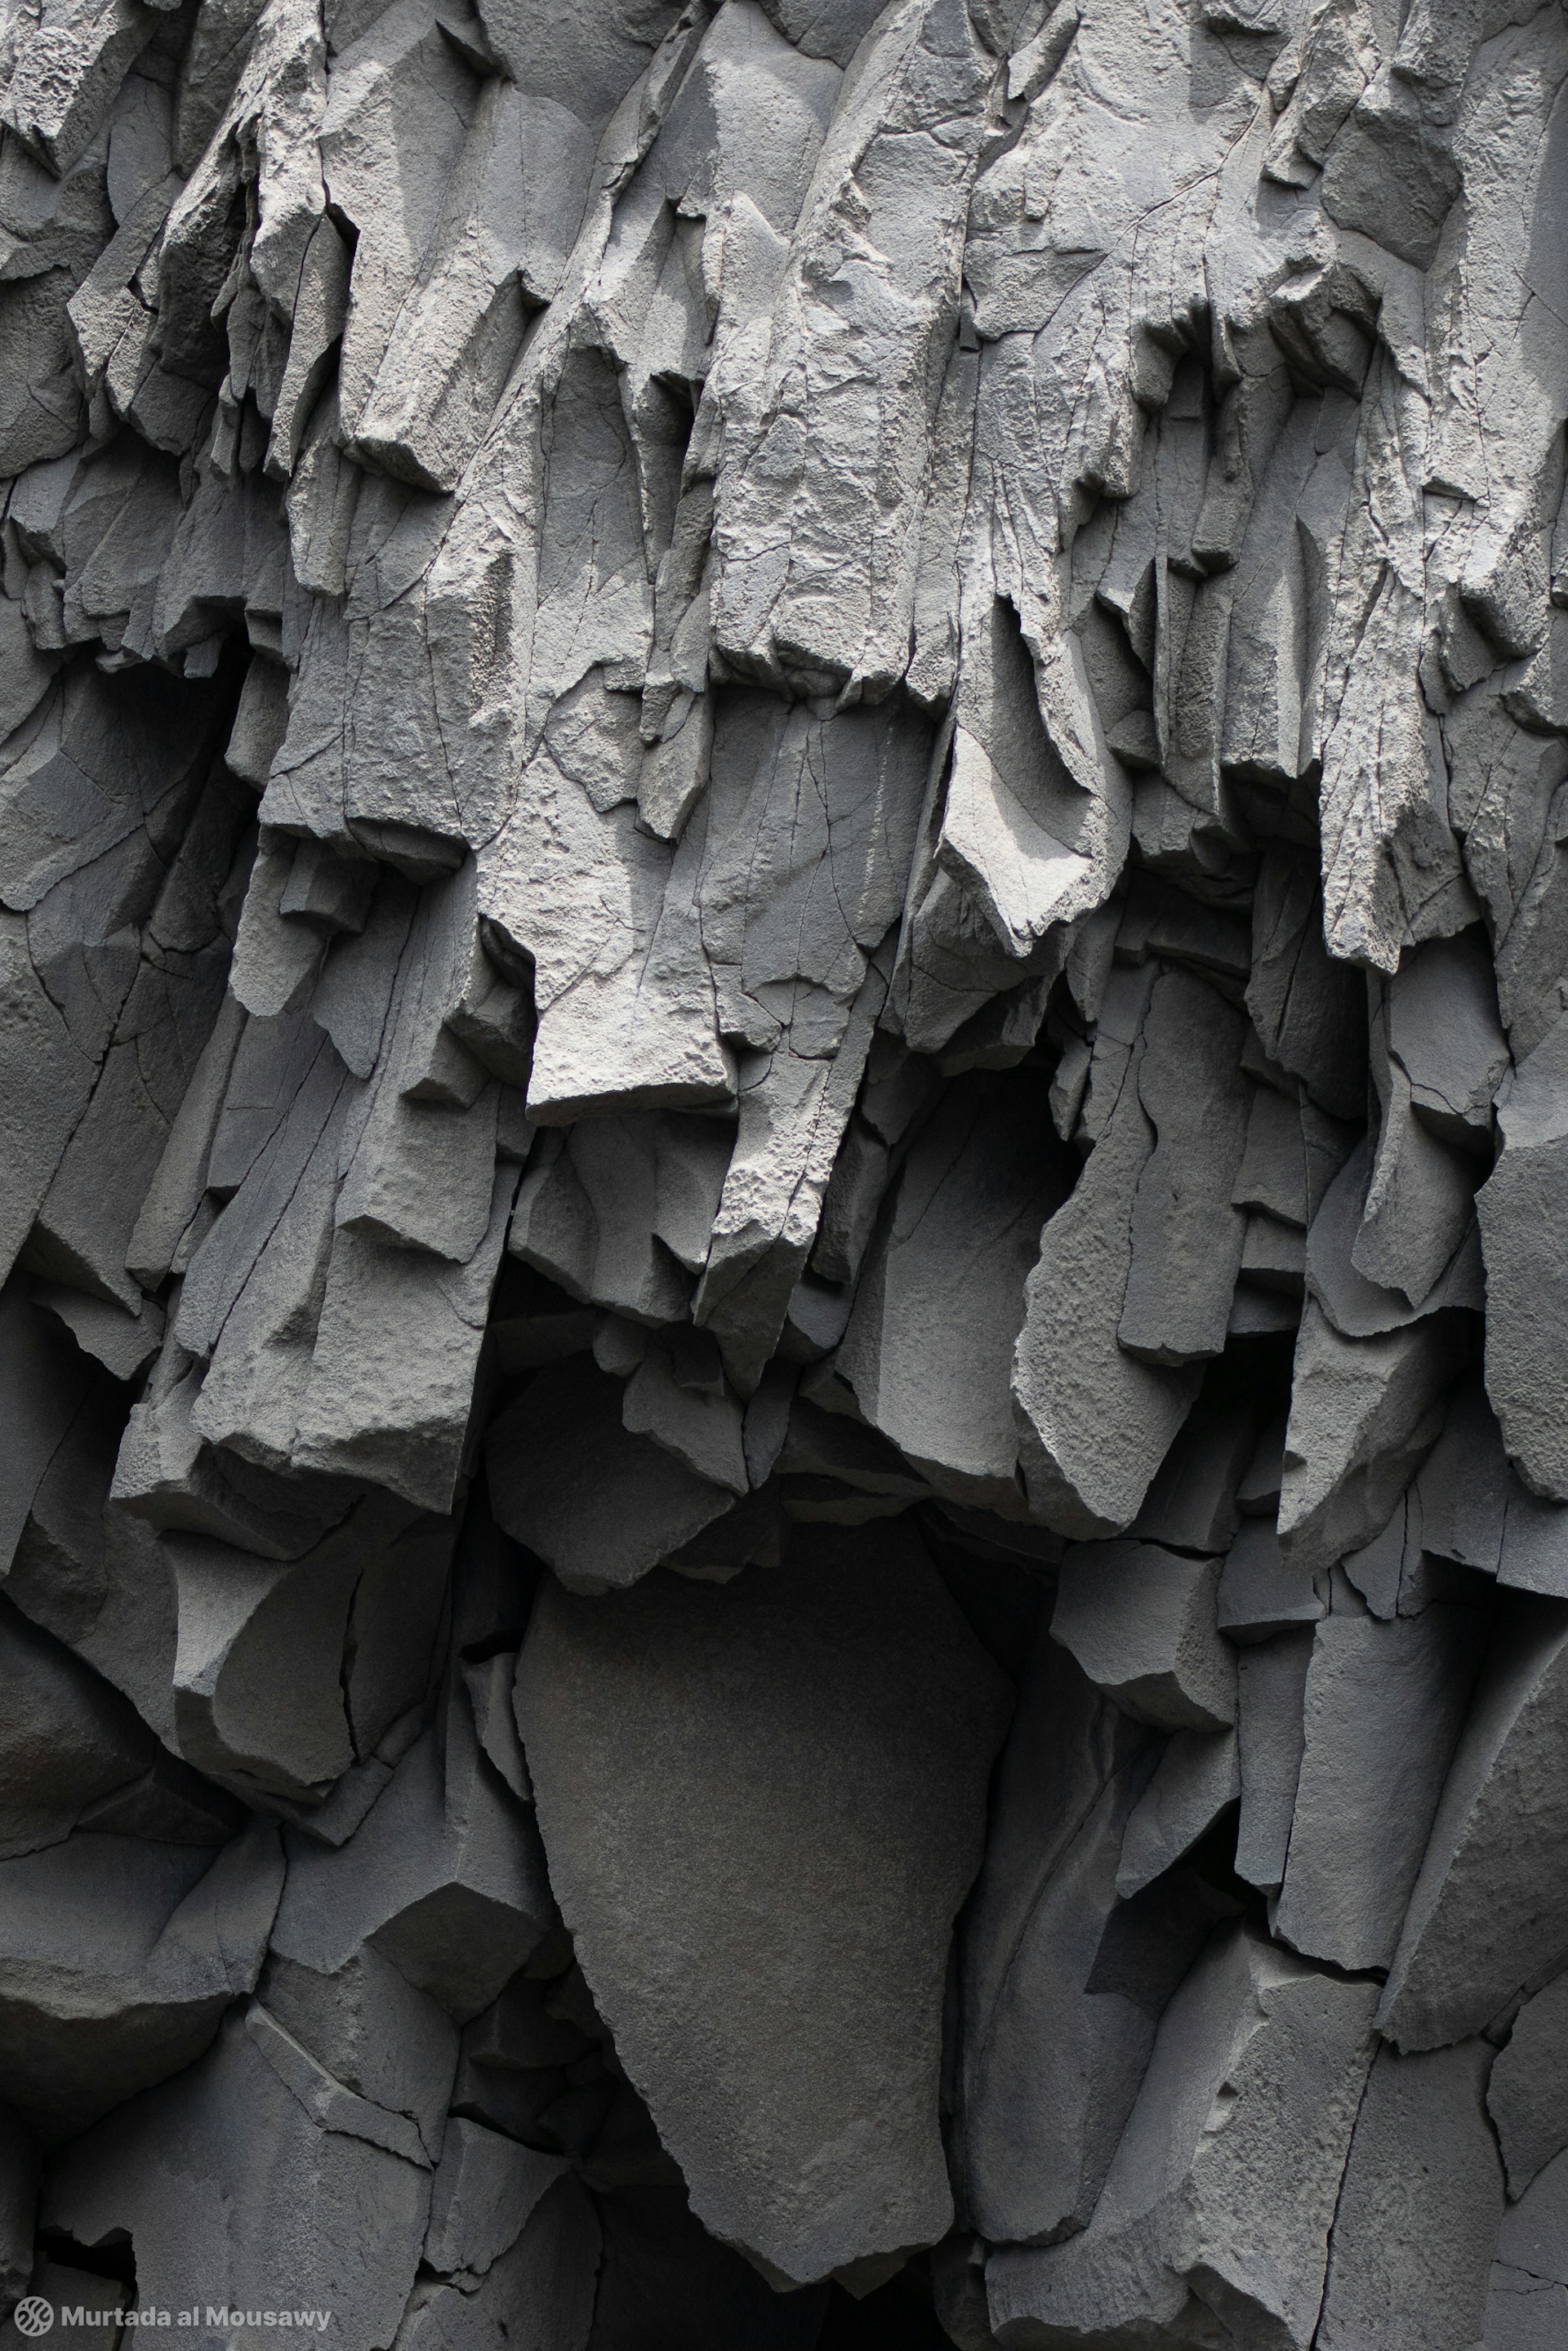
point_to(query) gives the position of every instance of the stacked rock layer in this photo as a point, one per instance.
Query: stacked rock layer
(784, 1172)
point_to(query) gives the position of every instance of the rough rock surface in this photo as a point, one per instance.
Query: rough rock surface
(783, 1164)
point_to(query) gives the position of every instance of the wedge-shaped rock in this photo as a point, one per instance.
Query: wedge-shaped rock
(1141, 1623)
(1094, 1424)
(1471, 1505)
(1187, 1237)
(1197, 1496)
(1049, 2070)
(540, 2292)
(929, 1346)
(1196, 1779)
(599, 1502)
(772, 1978)
(371, 2028)
(444, 1876)
(258, 1691)
(485, 2187)
(1411, 2254)
(1385, 1706)
(1271, 1679)
(1527, 1284)
(67, 1741)
(1443, 1029)
(256, 2178)
(1363, 1415)
(619, 1211)
(284, 1673)
(1490, 1909)
(1214, 2216)
(1309, 1010)
(118, 1958)
(392, 1377)
(44, 1381)
(1259, 1592)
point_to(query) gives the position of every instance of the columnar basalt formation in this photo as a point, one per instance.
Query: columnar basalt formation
(784, 1172)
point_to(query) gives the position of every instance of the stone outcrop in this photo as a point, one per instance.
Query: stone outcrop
(783, 1163)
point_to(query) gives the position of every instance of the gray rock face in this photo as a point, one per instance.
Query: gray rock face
(1251, 2036)
(1485, 1913)
(1525, 2095)
(783, 941)
(1420, 2205)
(830, 1863)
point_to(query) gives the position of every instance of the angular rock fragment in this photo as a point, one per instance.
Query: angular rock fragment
(1195, 1781)
(1094, 1423)
(1384, 1711)
(1255, 2077)
(929, 1346)
(1141, 1623)
(1185, 1237)
(857, 1662)
(1271, 1678)
(1518, 1217)
(330, 2216)
(1524, 2093)
(444, 1877)
(1363, 1415)
(1485, 1915)
(1420, 2209)
(1050, 2066)
(600, 1501)
(121, 1957)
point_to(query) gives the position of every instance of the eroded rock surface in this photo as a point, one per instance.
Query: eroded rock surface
(783, 1161)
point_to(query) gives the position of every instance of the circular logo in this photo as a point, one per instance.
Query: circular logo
(34, 2316)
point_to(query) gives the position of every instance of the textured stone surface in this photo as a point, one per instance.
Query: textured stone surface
(784, 858)
(764, 1929)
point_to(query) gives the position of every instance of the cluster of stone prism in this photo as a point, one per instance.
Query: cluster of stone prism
(784, 1172)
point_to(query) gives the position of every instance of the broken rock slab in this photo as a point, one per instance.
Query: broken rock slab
(1049, 2062)
(118, 1958)
(1419, 2207)
(1526, 2095)
(1384, 1708)
(1216, 2214)
(1141, 1622)
(762, 1804)
(1490, 1908)
(255, 2178)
